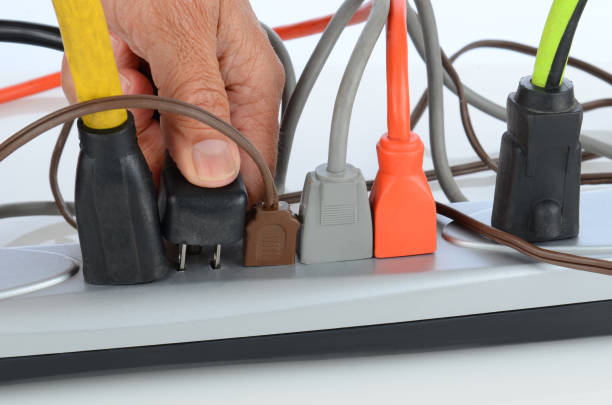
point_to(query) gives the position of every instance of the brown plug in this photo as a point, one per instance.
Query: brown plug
(271, 236)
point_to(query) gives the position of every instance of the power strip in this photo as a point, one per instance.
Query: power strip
(470, 292)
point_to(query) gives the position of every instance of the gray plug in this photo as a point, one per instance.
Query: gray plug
(336, 218)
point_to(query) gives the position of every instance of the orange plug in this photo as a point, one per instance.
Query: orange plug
(403, 208)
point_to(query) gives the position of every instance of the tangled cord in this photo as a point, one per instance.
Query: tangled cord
(68, 114)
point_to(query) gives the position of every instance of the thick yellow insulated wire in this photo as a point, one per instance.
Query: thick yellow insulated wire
(90, 55)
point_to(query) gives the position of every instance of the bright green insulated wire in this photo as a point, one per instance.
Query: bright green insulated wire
(558, 19)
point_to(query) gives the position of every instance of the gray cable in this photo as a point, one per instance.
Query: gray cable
(283, 55)
(480, 102)
(305, 84)
(343, 108)
(591, 141)
(34, 208)
(435, 90)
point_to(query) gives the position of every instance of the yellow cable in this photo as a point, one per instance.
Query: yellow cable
(90, 55)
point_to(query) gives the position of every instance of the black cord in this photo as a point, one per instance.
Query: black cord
(560, 60)
(31, 34)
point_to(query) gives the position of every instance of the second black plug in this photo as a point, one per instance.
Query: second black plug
(197, 216)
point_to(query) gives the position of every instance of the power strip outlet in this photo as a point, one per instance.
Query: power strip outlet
(470, 292)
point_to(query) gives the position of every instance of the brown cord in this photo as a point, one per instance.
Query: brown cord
(466, 119)
(530, 50)
(55, 160)
(586, 67)
(524, 247)
(595, 104)
(163, 104)
(477, 166)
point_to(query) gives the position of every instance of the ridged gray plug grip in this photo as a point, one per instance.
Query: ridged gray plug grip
(336, 219)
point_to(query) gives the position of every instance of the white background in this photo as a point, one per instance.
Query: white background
(560, 372)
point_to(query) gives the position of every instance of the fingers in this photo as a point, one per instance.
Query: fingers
(254, 79)
(204, 60)
(184, 65)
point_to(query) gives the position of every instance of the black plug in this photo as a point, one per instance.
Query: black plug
(116, 209)
(197, 216)
(537, 191)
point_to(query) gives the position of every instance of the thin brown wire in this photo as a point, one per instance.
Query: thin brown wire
(586, 67)
(53, 167)
(477, 166)
(162, 104)
(530, 50)
(549, 256)
(466, 119)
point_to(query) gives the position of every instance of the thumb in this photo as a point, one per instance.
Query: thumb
(184, 65)
(206, 157)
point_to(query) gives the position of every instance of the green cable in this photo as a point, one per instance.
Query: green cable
(553, 51)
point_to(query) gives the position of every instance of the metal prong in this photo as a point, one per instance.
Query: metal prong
(181, 256)
(216, 261)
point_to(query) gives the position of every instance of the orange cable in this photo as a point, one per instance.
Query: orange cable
(286, 32)
(403, 208)
(318, 25)
(398, 95)
(30, 87)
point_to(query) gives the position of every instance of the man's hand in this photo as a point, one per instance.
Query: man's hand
(212, 53)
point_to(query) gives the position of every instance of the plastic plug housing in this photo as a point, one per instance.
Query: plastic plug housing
(336, 218)
(403, 207)
(271, 236)
(116, 209)
(193, 215)
(537, 190)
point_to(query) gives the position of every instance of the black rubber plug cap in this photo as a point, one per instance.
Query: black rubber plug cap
(537, 190)
(116, 209)
(200, 216)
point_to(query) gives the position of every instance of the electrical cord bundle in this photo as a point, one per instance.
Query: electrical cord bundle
(22, 32)
(421, 28)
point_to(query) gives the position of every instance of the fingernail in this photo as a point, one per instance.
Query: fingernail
(213, 160)
(125, 84)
